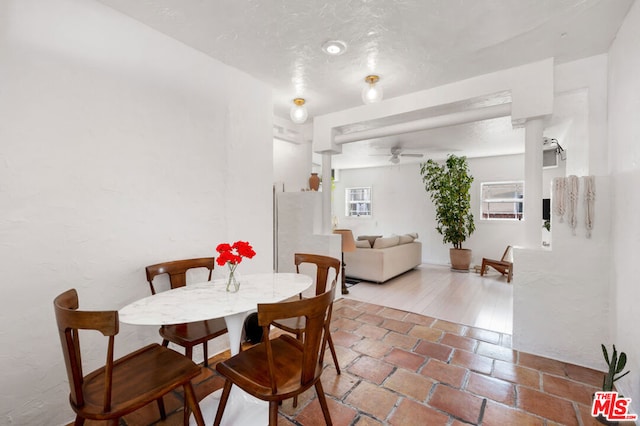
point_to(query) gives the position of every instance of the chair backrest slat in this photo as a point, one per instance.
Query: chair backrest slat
(507, 256)
(177, 270)
(324, 265)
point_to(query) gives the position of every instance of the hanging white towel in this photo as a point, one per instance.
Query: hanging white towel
(589, 198)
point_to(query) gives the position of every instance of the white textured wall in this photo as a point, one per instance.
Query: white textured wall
(299, 229)
(399, 203)
(119, 147)
(624, 133)
(590, 135)
(291, 165)
(561, 297)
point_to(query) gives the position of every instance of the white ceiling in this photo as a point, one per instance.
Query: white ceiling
(412, 44)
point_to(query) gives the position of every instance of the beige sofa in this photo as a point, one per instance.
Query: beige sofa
(389, 257)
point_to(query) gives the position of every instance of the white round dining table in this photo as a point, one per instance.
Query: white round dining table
(208, 300)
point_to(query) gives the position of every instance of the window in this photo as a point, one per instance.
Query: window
(358, 202)
(502, 200)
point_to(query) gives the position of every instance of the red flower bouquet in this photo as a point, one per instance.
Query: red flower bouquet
(232, 255)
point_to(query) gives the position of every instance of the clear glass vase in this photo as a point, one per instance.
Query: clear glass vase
(233, 280)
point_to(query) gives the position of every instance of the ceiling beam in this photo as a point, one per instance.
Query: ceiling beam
(460, 117)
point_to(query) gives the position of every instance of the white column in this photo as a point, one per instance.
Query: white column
(533, 183)
(326, 193)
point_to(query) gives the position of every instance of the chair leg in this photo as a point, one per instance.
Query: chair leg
(482, 268)
(191, 405)
(205, 349)
(79, 421)
(226, 390)
(333, 353)
(295, 398)
(323, 403)
(165, 343)
(163, 413)
(273, 413)
(188, 352)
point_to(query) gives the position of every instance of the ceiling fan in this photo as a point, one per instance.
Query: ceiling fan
(396, 153)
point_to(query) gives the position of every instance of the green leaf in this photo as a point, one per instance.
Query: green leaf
(620, 377)
(606, 354)
(621, 362)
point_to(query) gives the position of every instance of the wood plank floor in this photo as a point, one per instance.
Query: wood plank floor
(434, 290)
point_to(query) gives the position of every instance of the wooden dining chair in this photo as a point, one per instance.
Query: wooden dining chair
(123, 385)
(190, 334)
(504, 265)
(296, 325)
(283, 367)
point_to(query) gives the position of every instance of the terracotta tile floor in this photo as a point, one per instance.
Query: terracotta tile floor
(401, 368)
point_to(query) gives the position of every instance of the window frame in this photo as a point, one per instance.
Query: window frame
(518, 214)
(349, 202)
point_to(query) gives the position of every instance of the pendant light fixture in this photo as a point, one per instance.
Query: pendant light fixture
(298, 111)
(372, 92)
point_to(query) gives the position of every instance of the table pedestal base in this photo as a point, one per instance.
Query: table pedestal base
(242, 409)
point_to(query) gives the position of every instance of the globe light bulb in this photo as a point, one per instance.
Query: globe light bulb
(371, 92)
(298, 111)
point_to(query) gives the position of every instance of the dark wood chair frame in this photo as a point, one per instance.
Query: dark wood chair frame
(283, 367)
(504, 266)
(126, 384)
(191, 334)
(297, 325)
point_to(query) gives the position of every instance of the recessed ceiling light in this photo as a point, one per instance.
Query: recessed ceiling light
(334, 47)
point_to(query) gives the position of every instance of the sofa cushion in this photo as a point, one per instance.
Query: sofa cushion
(385, 242)
(370, 238)
(363, 244)
(406, 238)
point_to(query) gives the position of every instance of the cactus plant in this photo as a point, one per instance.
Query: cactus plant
(616, 365)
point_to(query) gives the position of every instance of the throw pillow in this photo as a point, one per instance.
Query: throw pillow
(370, 238)
(386, 242)
(363, 244)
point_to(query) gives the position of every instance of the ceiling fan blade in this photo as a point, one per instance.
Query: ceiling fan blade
(412, 155)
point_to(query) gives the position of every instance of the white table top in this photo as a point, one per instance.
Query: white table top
(208, 300)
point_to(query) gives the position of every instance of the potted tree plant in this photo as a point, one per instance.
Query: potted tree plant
(448, 185)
